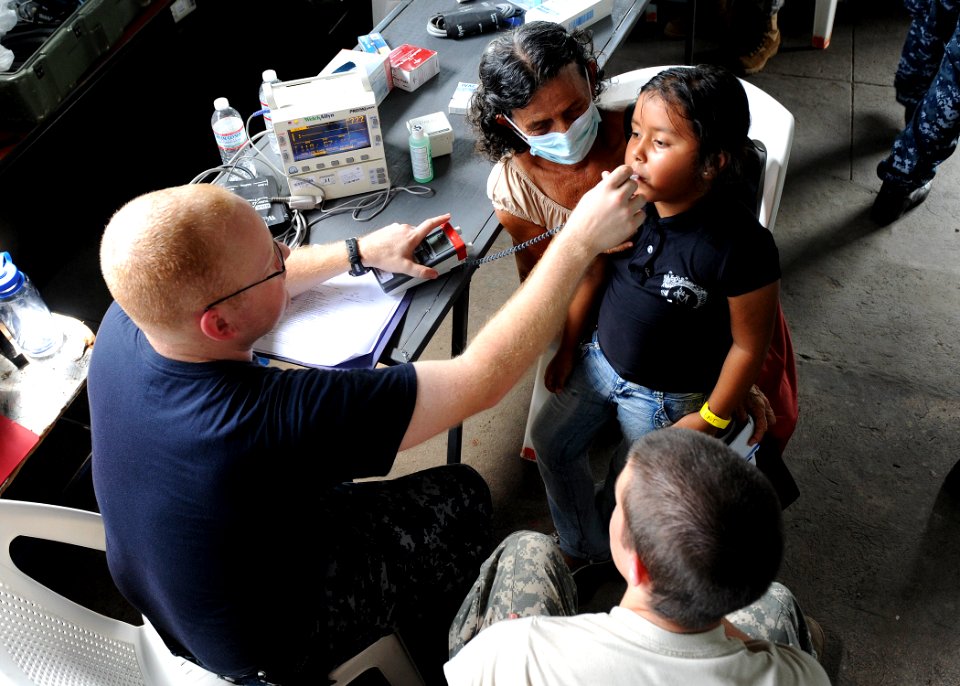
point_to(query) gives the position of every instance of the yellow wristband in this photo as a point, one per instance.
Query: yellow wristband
(712, 419)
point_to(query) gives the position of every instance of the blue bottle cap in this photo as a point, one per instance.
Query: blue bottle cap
(11, 278)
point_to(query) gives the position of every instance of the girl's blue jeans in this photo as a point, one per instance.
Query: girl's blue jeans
(564, 430)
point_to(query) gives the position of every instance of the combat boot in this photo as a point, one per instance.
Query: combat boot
(766, 48)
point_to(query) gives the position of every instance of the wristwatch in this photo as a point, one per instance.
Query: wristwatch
(353, 252)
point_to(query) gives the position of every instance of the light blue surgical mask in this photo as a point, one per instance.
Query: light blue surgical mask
(568, 147)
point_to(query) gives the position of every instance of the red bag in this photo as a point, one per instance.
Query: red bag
(778, 381)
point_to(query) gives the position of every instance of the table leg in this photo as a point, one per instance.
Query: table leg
(692, 27)
(457, 344)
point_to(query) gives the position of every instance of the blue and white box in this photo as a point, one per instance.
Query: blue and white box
(460, 102)
(372, 68)
(571, 14)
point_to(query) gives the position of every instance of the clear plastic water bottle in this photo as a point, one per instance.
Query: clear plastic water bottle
(231, 136)
(25, 314)
(269, 76)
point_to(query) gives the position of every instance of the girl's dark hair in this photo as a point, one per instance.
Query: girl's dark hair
(513, 67)
(713, 100)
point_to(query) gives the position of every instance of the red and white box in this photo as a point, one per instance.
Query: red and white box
(413, 66)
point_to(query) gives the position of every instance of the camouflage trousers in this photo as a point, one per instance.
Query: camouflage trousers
(399, 554)
(928, 86)
(526, 576)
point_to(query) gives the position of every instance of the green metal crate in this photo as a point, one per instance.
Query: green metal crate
(35, 90)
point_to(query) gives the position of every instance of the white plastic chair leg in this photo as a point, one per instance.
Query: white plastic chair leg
(823, 23)
(537, 398)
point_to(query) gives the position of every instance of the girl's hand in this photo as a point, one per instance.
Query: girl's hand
(558, 370)
(696, 422)
(757, 406)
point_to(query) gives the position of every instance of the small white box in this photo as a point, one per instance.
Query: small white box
(373, 69)
(413, 66)
(438, 129)
(572, 14)
(460, 102)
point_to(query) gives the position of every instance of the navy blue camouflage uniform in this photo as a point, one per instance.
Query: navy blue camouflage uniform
(928, 85)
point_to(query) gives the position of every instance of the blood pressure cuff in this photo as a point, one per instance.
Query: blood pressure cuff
(484, 17)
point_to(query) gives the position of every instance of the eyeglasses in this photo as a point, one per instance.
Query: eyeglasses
(282, 270)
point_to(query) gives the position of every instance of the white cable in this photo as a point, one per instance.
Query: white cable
(358, 205)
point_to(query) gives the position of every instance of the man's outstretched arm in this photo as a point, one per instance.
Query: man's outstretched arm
(449, 391)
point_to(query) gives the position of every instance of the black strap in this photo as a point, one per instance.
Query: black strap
(353, 252)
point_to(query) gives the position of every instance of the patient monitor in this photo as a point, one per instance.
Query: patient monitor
(328, 129)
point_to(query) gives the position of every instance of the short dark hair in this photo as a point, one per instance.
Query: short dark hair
(705, 523)
(513, 67)
(713, 100)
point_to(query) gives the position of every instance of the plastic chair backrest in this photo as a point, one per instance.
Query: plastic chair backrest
(770, 123)
(48, 640)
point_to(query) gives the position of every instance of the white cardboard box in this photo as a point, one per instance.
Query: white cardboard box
(373, 68)
(460, 102)
(438, 129)
(572, 14)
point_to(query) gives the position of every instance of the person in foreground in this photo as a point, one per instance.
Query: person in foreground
(224, 484)
(697, 537)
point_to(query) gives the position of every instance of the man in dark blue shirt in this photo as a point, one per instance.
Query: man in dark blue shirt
(224, 486)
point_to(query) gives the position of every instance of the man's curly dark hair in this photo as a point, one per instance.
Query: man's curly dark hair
(513, 67)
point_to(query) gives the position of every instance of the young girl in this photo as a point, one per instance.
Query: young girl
(685, 316)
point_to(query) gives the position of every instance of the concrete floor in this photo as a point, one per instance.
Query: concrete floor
(872, 550)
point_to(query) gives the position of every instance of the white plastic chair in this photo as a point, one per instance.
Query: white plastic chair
(49, 640)
(823, 14)
(770, 123)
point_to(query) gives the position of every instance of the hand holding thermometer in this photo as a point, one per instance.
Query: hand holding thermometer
(443, 249)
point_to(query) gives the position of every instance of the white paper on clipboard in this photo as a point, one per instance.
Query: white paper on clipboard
(334, 323)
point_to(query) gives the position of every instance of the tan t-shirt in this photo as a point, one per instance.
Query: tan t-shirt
(511, 190)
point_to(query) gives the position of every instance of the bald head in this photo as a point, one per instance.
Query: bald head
(162, 253)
